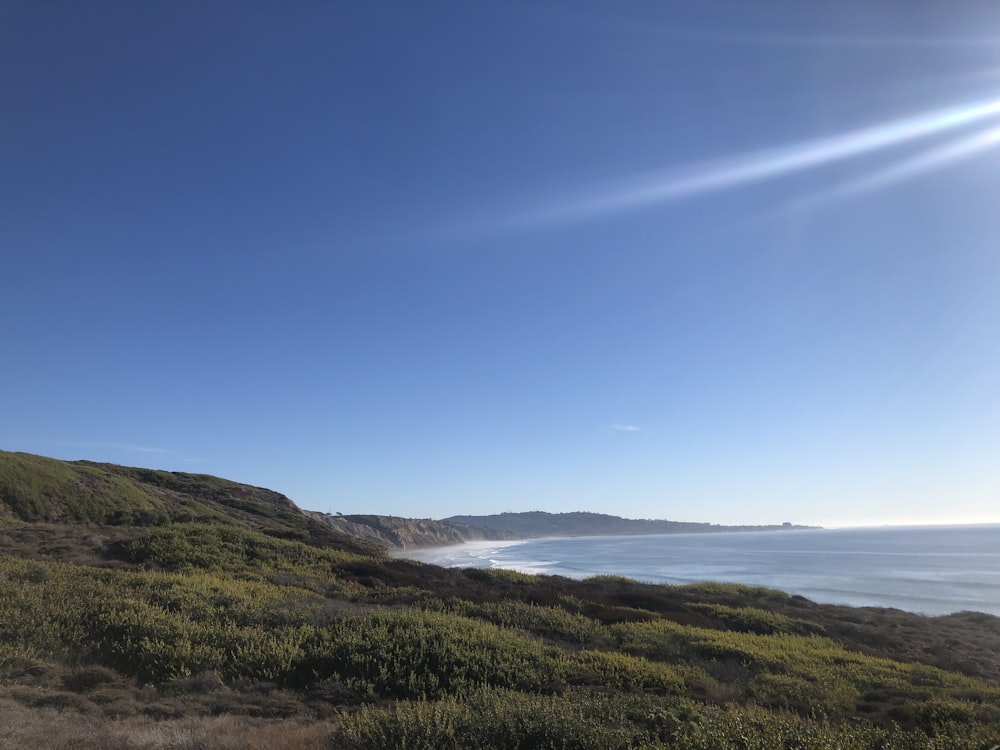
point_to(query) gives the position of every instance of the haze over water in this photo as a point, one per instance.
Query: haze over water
(931, 570)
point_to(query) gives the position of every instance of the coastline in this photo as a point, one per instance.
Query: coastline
(926, 570)
(439, 555)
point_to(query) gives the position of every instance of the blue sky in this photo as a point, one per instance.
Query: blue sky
(713, 261)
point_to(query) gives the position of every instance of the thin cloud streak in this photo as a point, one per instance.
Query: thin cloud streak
(114, 446)
(625, 428)
(165, 453)
(770, 164)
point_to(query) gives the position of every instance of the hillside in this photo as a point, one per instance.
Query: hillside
(40, 490)
(542, 524)
(394, 532)
(155, 610)
(36, 489)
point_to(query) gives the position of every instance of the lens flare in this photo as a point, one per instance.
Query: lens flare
(938, 158)
(716, 176)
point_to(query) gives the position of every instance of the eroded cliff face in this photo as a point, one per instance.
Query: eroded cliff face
(394, 532)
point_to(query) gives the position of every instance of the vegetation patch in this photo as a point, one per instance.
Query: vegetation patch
(249, 622)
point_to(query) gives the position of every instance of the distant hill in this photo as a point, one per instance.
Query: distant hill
(541, 524)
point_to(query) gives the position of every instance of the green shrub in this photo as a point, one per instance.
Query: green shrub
(507, 720)
(200, 546)
(413, 654)
(553, 623)
(756, 620)
(733, 589)
(625, 673)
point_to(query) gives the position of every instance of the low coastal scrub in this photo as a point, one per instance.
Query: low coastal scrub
(600, 721)
(220, 634)
(244, 613)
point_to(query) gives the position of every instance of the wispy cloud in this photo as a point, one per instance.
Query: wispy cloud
(625, 428)
(130, 447)
(102, 445)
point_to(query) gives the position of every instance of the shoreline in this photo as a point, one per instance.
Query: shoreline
(916, 570)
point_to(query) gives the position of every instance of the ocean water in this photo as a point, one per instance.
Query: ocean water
(931, 570)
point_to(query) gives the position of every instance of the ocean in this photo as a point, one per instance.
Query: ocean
(931, 570)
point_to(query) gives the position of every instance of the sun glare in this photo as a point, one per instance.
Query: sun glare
(924, 162)
(725, 174)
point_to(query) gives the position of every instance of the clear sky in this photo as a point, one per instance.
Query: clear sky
(710, 261)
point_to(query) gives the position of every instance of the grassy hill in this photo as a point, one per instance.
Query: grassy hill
(40, 490)
(149, 609)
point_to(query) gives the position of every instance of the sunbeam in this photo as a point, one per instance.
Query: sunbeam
(927, 161)
(716, 176)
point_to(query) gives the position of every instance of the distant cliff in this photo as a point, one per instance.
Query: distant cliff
(540, 524)
(395, 532)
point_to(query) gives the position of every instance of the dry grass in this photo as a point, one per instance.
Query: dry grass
(51, 706)
(67, 729)
(81, 544)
